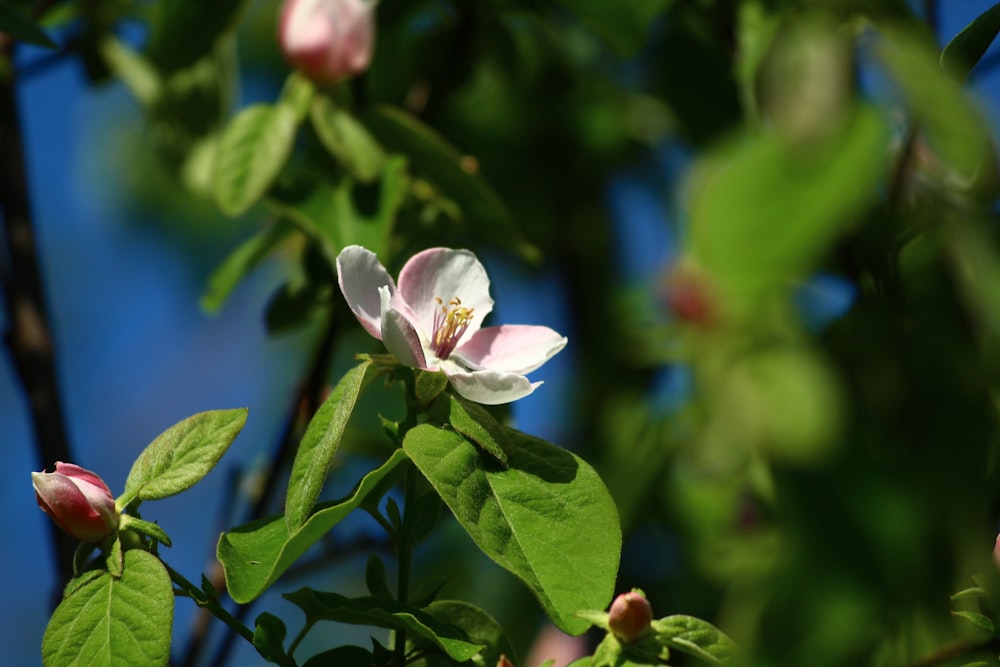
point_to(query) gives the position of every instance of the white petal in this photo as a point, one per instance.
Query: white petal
(444, 273)
(361, 275)
(516, 348)
(398, 333)
(489, 387)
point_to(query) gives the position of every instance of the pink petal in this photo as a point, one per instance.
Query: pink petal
(443, 273)
(489, 387)
(361, 275)
(515, 348)
(401, 338)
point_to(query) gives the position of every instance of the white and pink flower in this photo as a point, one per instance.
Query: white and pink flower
(77, 500)
(432, 320)
(327, 40)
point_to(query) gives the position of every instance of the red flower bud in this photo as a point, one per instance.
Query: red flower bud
(996, 553)
(327, 40)
(77, 500)
(630, 616)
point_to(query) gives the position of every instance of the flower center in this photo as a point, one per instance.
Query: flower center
(450, 322)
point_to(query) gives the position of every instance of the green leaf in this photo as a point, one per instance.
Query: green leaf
(109, 622)
(241, 262)
(182, 455)
(319, 446)
(694, 637)
(375, 578)
(254, 555)
(447, 168)
(269, 636)
(611, 652)
(962, 53)
(428, 385)
(979, 620)
(763, 212)
(954, 129)
(383, 613)
(548, 518)
(346, 139)
(17, 25)
(477, 424)
(329, 215)
(974, 592)
(143, 527)
(253, 149)
(138, 75)
(183, 31)
(478, 627)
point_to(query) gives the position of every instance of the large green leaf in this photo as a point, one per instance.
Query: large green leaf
(253, 149)
(384, 613)
(183, 454)
(547, 518)
(967, 47)
(110, 621)
(254, 555)
(695, 637)
(764, 211)
(319, 445)
(15, 23)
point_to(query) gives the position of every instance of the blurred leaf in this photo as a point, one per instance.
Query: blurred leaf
(182, 31)
(979, 620)
(375, 578)
(138, 75)
(456, 175)
(966, 48)
(954, 129)
(624, 25)
(255, 554)
(548, 518)
(756, 31)
(319, 445)
(252, 151)
(17, 25)
(294, 305)
(330, 214)
(478, 627)
(346, 139)
(694, 637)
(110, 621)
(180, 456)
(382, 613)
(763, 212)
(241, 262)
(269, 636)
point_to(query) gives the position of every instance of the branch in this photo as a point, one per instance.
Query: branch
(29, 334)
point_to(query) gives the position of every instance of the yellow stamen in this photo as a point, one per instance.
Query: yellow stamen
(449, 325)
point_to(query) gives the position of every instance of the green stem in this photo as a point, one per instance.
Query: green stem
(205, 601)
(405, 552)
(299, 637)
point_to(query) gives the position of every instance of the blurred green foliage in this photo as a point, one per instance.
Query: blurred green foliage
(823, 493)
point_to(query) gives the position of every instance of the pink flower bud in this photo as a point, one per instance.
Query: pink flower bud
(996, 553)
(77, 500)
(327, 40)
(630, 616)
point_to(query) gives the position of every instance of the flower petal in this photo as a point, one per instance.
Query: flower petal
(489, 387)
(444, 273)
(515, 348)
(398, 333)
(360, 275)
